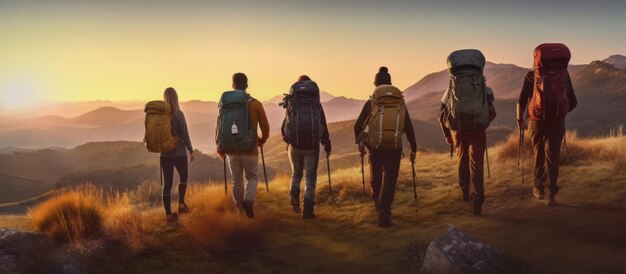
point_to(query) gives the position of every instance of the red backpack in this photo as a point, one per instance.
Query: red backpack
(549, 100)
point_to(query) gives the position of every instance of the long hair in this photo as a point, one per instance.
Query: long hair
(171, 97)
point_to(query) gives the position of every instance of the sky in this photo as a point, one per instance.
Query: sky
(65, 51)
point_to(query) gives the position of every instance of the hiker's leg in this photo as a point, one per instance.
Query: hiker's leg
(553, 149)
(311, 161)
(251, 168)
(236, 170)
(462, 155)
(376, 172)
(167, 164)
(478, 144)
(183, 172)
(296, 158)
(391, 169)
(538, 142)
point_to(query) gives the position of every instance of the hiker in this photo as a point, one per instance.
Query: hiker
(237, 140)
(379, 128)
(466, 112)
(547, 95)
(176, 158)
(303, 129)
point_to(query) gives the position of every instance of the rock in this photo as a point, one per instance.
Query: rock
(31, 252)
(457, 252)
(9, 264)
(16, 248)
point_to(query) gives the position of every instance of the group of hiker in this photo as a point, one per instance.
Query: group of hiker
(466, 112)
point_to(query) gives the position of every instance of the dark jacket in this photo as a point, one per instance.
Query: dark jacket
(365, 112)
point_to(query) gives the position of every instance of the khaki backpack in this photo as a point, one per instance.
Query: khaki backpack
(159, 136)
(385, 124)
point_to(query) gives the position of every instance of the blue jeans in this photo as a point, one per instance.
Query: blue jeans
(303, 163)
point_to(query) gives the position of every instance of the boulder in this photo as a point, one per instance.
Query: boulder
(30, 252)
(456, 252)
(16, 248)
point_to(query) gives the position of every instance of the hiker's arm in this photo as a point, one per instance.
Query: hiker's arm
(409, 131)
(264, 124)
(282, 129)
(220, 151)
(525, 94)
(573, 102)
(185, 132)
(358, 125)
(325, 138)
(490, 99)
(524, 97)
(442, 124)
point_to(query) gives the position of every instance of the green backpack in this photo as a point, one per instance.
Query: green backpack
(235, 132)
(467, 108)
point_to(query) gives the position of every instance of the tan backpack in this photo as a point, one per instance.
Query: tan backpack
(159, 136)
(385, 124)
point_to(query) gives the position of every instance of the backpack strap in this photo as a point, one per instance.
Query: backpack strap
(397, 128)
(380, 132)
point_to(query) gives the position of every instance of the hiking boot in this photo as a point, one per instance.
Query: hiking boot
(183, 208)
(307, 213)
(539, 194)
(171, 218)
(247, 207)
(551, 199)
(384, 219)
(295, 205)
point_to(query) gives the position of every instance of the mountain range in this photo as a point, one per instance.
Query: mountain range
(600, 85)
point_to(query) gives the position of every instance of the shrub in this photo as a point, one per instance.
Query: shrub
(610, 148)
(71, 216)
(215, 224)
(124, 223)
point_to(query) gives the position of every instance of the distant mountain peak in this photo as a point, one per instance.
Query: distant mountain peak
(489, 64)
(617, 60)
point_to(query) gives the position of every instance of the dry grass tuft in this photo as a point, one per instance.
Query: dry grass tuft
(124, 223)
(72, 216)
(346, 185)
(88, 212)
(216, 226)
(508, 149)
(610, 148)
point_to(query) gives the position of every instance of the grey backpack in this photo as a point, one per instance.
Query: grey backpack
(467, 106)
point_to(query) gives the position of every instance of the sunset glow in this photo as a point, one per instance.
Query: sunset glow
(104, 51)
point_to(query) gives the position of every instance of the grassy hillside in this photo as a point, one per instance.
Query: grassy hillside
(16, 189)
(119, 165)
(581, 235)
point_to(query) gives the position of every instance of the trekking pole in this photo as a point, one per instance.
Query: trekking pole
(330, 187)
(363, 172)
(414, 181)
(225, 181)
(565, 145)
(488, 168)
(264, 171)
(521, 149)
